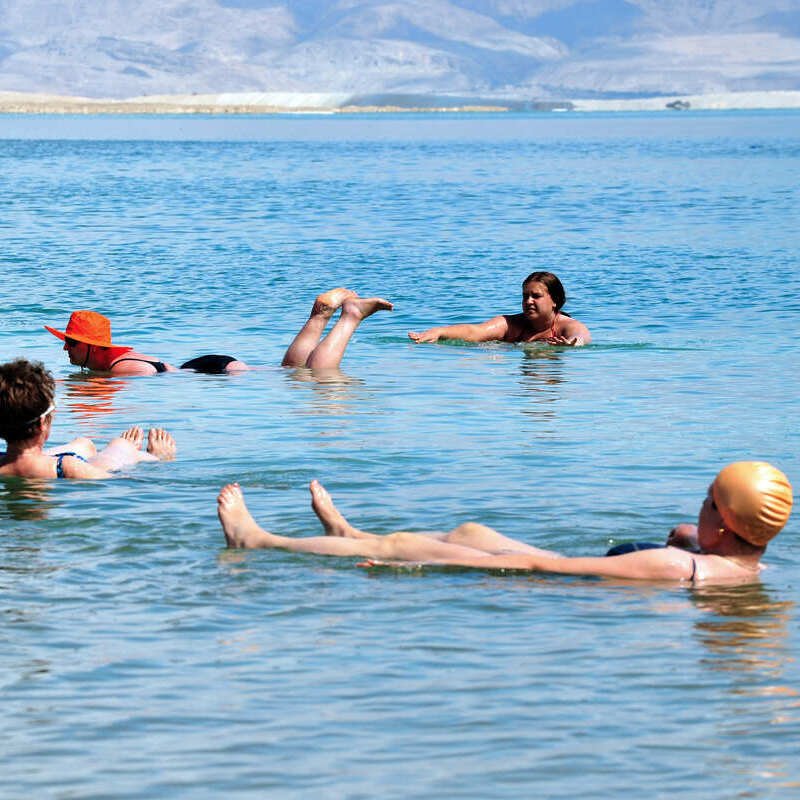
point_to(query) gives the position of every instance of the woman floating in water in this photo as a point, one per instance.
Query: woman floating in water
(747, 504)
(27, 405)
(541, 320)
(87, 340)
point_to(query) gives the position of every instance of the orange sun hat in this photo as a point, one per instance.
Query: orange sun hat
(88, 327)
(754, 499)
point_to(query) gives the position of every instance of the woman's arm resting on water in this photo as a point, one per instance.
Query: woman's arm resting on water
(662, 564)
(493, 330)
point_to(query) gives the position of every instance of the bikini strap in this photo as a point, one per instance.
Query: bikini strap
(59, 457)
(60, 464)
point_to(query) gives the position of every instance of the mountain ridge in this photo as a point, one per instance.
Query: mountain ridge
(547, 49)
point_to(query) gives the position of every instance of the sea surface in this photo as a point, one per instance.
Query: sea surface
(141, 659)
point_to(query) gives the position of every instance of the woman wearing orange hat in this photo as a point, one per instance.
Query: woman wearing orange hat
(87, 340)
(747, 504)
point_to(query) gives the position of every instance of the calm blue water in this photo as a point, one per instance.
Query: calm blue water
(140, 659)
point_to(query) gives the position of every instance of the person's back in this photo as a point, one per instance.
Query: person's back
(27, 405)
(88, 344)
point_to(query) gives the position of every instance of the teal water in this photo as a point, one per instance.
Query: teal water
(140, 659)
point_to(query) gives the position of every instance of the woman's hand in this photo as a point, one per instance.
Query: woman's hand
(431, 335)
(565, 341)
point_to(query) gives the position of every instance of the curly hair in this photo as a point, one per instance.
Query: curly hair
(27, 390)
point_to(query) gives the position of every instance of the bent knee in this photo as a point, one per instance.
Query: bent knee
(85, 446)
(469, 530)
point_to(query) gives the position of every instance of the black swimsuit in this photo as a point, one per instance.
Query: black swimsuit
(159, 366)
(211, 364)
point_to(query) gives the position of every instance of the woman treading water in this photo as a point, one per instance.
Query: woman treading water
(747, 504)
(542, 320)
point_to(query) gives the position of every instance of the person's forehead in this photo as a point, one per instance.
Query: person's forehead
(536, 287)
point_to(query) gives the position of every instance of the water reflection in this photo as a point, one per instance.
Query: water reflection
(335, 392)
(24, 499)
(541, 375)
(88, 395)
(746, 634)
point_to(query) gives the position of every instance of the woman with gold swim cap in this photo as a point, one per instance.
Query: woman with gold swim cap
(747, 504)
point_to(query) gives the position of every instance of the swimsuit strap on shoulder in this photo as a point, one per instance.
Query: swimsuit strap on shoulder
(158, 366)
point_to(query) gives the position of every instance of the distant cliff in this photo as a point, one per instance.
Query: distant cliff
(532, 50)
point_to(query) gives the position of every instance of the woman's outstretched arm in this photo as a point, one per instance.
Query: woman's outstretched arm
(493, 330)
(658, 564)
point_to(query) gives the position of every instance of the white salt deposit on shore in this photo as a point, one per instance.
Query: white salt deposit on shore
(299, 102)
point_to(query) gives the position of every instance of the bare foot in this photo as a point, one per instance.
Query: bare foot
(134, 435)
(161, 444)
(331, 518)
(363, 307)
(238, 525)
(329, 301)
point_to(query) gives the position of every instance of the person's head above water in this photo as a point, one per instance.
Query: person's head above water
(753, 499)
(87, 327)
(87, 340)
(27, 398)
(553, 285)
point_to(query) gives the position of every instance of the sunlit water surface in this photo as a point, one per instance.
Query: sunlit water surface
(139, 658)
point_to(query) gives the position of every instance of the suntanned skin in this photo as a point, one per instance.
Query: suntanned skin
(29, 459)
(306, 350)
(114, 360)
(724, 557)
(103, 359)
(538, 322)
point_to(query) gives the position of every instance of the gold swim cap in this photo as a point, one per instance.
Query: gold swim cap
(754, 499)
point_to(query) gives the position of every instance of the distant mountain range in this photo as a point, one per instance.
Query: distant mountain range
(544, 49)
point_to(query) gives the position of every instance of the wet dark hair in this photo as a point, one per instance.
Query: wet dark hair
(553, 285)
(27, 390)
